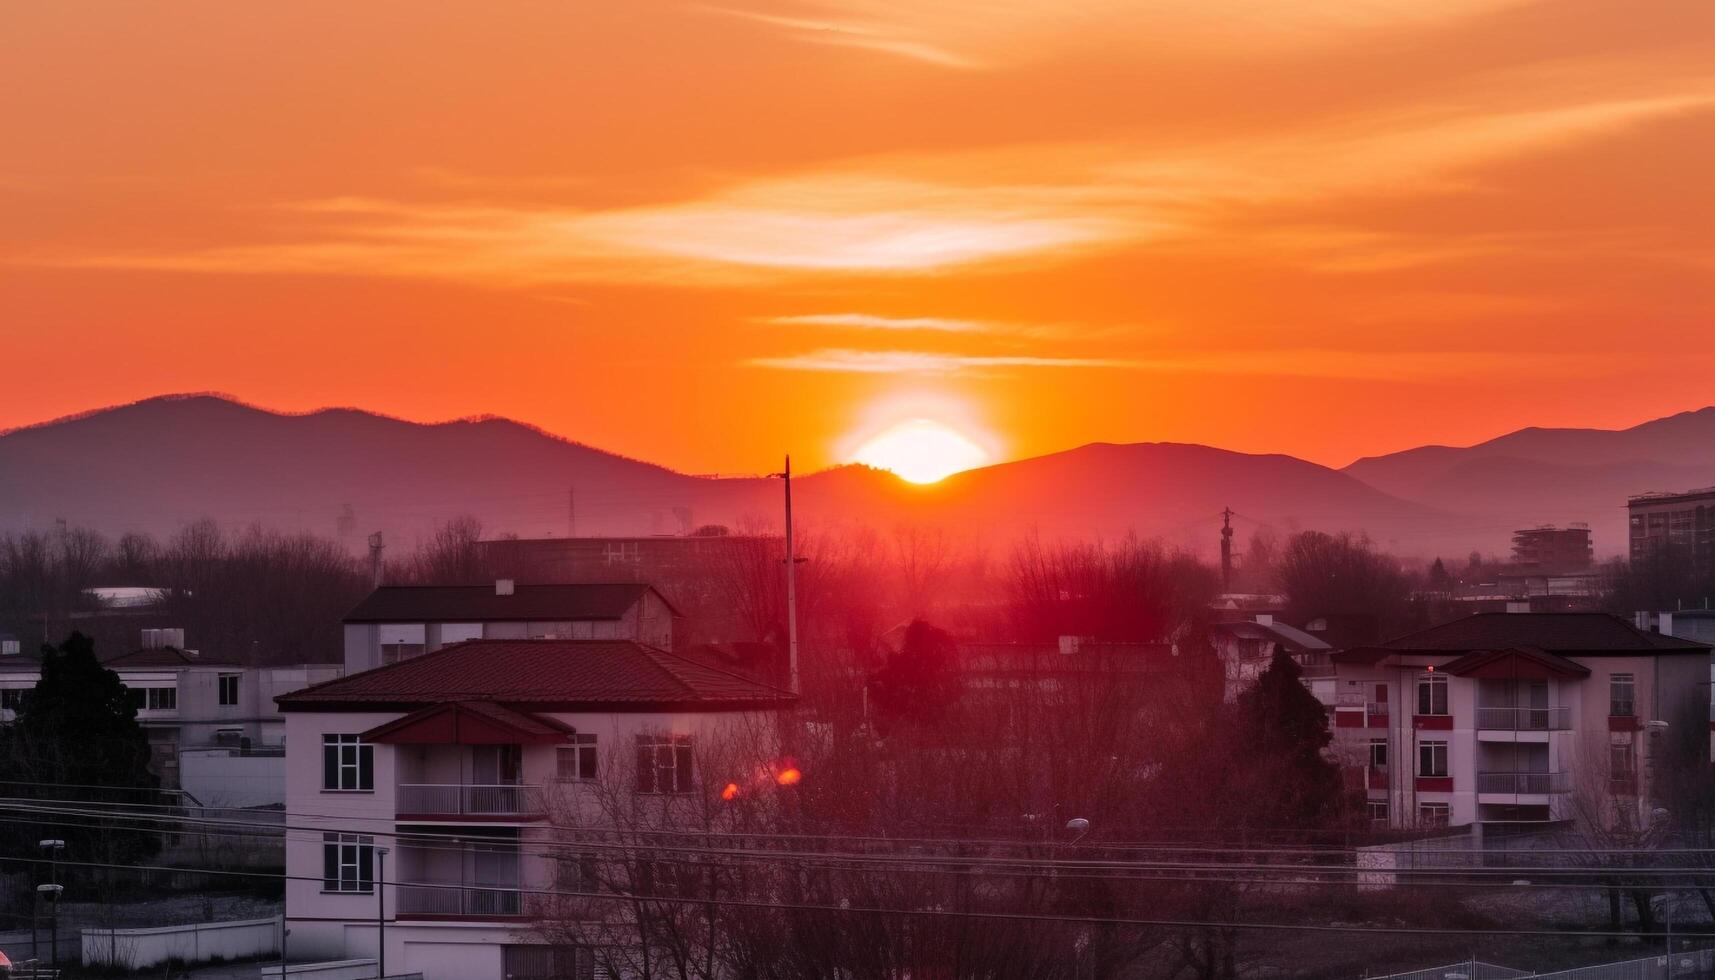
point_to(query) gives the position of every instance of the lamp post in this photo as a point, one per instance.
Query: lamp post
(380, 912)
(51, 891)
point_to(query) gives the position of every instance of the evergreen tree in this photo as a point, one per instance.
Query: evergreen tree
(77, 739)
(1439, 579)
(1282, 731)
(919, 682)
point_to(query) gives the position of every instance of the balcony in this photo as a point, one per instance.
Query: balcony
(496, 801)
(430, 899)
(1524, 719)
(1523, 783)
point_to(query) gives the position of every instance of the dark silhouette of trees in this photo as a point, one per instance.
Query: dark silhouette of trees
(78, 731)
(920, 681)
(1341, 575)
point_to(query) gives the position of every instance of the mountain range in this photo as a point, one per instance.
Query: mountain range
(157, 464)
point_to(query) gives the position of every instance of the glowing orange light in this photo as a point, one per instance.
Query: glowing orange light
(922, 451)
(730, 791)
(789, 777)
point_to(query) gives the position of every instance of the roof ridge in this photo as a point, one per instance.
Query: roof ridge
(719, 670)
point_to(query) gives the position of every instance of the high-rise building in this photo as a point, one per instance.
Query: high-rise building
(1548, 548)
(1681, 524)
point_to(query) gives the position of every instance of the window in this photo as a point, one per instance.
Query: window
(1434, 814)
(347, 763)
(1622, 702)
(348, 862)
(229, 688)
(1620, 762)
(1432, 694)
(576, 873)
(664, 764)
(12, 699)
(1378, 811)
(577, 761)
(153, 698)
(1378, 753)
(668, 879)
(1432, 759)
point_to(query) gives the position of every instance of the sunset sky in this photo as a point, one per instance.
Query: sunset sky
(704, 233)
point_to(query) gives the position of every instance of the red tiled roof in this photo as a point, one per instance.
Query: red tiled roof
(480, 604)
(1586, 634)
(542, 675)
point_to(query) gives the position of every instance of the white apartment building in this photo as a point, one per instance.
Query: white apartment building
(397, 622)
(214, 730)
(473, 766)
(1507, 719)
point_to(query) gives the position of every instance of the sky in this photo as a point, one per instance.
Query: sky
(705, 233)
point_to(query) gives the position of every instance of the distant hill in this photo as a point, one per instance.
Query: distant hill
(1538, 475)
(156, 464)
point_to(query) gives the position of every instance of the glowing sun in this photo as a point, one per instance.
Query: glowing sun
(922, 451)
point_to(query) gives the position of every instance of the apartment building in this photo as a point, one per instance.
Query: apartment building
(1549, 549)
(214, 730)
(1245, 648)
(398, 622)
(444, 788)
(1682, 524)
(1504, 719)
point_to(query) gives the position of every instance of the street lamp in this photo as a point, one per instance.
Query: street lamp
(51, 894)
(380, 912)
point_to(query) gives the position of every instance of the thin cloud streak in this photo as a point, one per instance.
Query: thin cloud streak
(1345, 365)
(869, 321)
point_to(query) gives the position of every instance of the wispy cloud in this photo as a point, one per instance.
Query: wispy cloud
(849, 34)
(869, 321)
(849, 361)
(929, 213)
(1414, 365)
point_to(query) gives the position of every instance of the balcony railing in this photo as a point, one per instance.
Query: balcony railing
(466, 799)
(456, 898)
(1524, 719)
(1525, 783)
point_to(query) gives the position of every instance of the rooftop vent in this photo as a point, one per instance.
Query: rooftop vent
(503, 586)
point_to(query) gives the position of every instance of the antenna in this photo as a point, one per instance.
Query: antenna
(1227, 549)
(791, 587)
(375, 548)
(571, 512)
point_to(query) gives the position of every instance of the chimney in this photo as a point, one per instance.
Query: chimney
(151, 639)
(503, 586)
(1265, 619)
(1664, 624)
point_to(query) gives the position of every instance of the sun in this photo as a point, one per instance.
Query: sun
(921, 451)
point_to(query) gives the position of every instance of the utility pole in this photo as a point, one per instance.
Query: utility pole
(1227, 549)
(571, 512)
(791, 587)
(375, 547)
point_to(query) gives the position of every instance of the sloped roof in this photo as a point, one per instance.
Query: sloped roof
(1292, 637)
(163, 658)
(542, 675)
(480, 604)
(1587, 634)
(1534, 662)
(469, 723)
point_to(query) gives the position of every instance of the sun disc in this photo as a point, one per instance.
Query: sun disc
(921, 451)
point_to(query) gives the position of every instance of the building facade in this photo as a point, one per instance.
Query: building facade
(1680, 524)
(1505, 720)
(398, 622)
(451, 790)
(1547, 549)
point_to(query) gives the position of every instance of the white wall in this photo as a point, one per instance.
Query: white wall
(218, 778)
(136, 949)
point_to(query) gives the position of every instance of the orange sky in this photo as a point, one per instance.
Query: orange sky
(700, 233)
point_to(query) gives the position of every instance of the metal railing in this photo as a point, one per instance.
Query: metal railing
(1525, 719)
(1375, 709)
(509, 799)
(457, 898)
(1523, 782)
